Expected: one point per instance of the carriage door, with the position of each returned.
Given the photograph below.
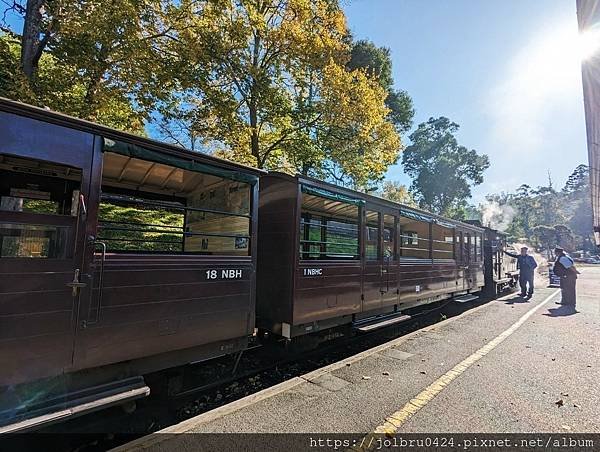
(380, 278)
(389, 274)
(466, 253)
(373, 268)
(44, 179)
(460, 262)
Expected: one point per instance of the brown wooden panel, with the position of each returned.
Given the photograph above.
(277, 236)
(37, 356)
(34, 282)
(113, 343)
(335, 292)
(159, 292)
(217, 305)
(35, 325)
(12, 304)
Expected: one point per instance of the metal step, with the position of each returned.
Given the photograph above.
(73, 405)
(466, 298)
(381, 323)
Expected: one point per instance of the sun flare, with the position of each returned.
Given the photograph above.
(588, 43)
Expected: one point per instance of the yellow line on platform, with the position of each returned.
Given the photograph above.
(392, 423)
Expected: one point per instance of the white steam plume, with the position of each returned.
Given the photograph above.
(496, 216)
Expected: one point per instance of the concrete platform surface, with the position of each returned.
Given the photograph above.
(507, 366)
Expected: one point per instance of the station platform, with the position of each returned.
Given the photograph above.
(509, 366)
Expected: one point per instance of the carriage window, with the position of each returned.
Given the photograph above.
(473, 247)
(38, 208)
(466, 247)
(372, 242)
(329, 229)
(151, 207)
(414, 238)
(479, 247)
(442, 238)
(389, 237)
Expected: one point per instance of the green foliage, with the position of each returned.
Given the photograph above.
(271, 83)
(377, 61)
(578, 181)
(546, 217)
(60, 87)
(265, 83)
(101, 61)
(146, 229)
(397, 192)
(13, 84)
(442, 170)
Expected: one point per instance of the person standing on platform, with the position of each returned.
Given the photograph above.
(564, 267)
(526, 265)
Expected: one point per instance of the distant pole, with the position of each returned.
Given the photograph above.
(588, 18)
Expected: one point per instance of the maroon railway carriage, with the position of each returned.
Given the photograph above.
(116, 253)
(330, 256)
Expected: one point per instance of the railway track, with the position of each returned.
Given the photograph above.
(206, 386)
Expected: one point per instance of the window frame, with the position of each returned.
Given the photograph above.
(402, 236)
(369, 224)
(69, 221)
(394, 236)
(144, 198)
(452, 233)
(304, 243)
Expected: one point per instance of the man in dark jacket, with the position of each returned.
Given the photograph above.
(564, 267)
(526, 265)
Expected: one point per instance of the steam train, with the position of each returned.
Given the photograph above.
(121, 256)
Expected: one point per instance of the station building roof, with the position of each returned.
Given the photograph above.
(588, 16)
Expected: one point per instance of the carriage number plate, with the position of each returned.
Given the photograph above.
(224, 274)
(313, 272)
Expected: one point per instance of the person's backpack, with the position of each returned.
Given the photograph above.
(559, 269)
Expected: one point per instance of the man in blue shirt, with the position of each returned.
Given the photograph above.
(526, 265)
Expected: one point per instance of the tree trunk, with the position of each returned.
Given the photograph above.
(31, 46)
(254, 140)
(253, 108)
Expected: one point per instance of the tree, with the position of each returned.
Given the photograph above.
(578, 180)
(268, 81)
(262, 82)
(397, 192)
(358, 143)
(38, 24)
(545, 205)
(532, 210)
(377, 61)
(243, 58)
(442, 170)
(97, 60)
(545, 237)
(550, 236)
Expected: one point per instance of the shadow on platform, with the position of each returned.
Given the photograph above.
(517, 299)
(561, 311)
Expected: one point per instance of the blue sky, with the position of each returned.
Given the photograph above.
(507, 71)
